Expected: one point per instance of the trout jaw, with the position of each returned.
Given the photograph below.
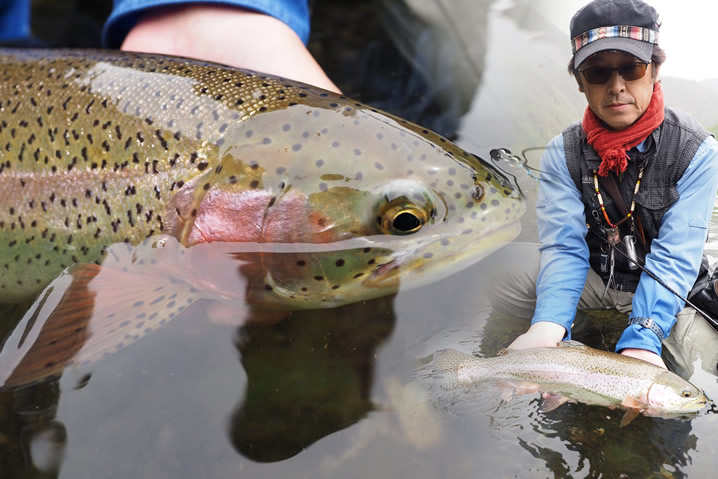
(413, 269)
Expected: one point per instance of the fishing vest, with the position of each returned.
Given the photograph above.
(670, 148)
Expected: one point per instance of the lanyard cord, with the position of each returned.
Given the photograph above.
(633, 202)
(658, 280)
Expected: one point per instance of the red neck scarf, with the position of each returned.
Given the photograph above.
(612, 145)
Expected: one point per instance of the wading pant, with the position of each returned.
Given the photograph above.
(690, 350)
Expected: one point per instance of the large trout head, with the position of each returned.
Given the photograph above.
(672, 395)
(345, 203)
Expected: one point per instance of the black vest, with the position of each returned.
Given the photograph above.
(670, 148)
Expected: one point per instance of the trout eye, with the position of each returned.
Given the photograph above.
(402, 219)
(406, 222)
(686, 393)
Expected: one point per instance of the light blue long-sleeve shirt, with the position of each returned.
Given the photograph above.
(295, 13)
(14, 19)
(675, 254)
(15, 16)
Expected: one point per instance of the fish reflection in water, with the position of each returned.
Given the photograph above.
(307, 376)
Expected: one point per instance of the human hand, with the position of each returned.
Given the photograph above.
(645, 355)
(540, 334)
(229, 35)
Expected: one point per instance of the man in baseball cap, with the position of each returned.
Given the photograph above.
(631, 186)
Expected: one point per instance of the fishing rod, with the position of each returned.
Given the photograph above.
(658, 280)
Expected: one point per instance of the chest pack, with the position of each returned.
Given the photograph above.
(670, 149)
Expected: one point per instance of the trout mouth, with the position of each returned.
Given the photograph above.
(386, 275)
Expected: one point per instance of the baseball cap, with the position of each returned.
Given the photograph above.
(629, 26)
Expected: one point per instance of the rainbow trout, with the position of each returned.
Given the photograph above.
(153, 181)
(574, 372)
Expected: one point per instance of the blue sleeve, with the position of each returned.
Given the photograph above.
(295, 13)
(14, 19)
(562, 233)
(676, 253)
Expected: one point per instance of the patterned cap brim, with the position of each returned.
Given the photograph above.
(639, 49)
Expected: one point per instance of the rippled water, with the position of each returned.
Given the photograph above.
(347, 392)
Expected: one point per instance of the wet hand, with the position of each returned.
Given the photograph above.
(541, 334)
(229, 35)
(645, 355)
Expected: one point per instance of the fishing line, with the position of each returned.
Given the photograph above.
(504, 155)
(658, 280)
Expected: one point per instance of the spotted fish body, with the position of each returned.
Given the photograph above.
(103, 147)
(575, 372)
(147, 182)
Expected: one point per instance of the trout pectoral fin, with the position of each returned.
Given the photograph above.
(630, 402)
(551, 402)
(633, 406)
(631, 414)
(88, 312)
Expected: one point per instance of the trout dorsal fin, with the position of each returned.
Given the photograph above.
(88, 312)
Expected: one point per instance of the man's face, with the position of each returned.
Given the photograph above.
(618, 102)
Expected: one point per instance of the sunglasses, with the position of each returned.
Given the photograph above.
(629, 72)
